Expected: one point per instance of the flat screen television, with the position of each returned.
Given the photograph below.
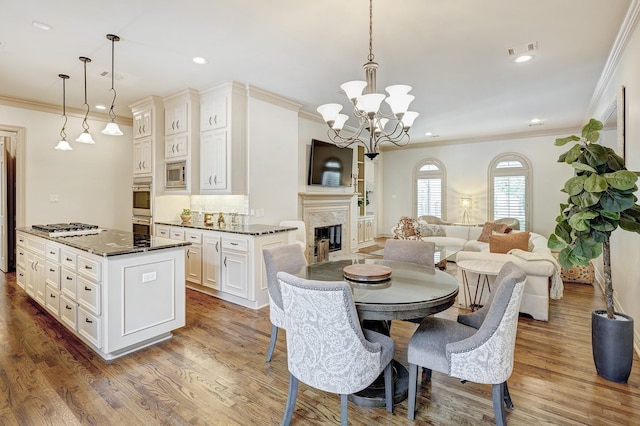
(330, 165)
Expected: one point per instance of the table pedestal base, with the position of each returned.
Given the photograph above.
(373, 396)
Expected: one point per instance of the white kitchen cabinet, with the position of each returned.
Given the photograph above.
(176, 116)
(365, 229)
(223, 134)
(143, 123)
(176, 146)
(142, 157)
(213, 160)
(235, 264)
(193, 263)
(35, 279)
(211, 247)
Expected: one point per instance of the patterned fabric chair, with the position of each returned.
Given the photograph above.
(326, 347)
(288, 258)
(413, 251)
(478, 347)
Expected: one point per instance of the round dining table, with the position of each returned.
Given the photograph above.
(410, 291)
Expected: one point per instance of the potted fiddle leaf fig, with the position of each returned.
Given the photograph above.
(600, 199)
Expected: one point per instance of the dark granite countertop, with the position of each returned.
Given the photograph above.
(111, 242)
(238, 229)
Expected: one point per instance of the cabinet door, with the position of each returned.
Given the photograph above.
(176, 146)
(213, 160)
(368, 230)
(142, 124)
(213, 113)
(360, 231)
(193, 265)
(137, 158)
(35, 277)
(211, 262)
(142, 157)
(234, 273)
(176, 118)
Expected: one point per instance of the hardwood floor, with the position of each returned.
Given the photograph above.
(213, 372)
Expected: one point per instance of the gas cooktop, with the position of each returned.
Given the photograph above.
(67, 229)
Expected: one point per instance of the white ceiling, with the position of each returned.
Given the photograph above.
(453, 53)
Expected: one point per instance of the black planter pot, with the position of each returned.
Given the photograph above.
(612, 343)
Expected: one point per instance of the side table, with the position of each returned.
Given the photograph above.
(484, 269)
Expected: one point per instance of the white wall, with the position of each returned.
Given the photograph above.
(92, 182)
(273, 162)
(466, 167)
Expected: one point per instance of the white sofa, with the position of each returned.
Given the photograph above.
(538, 263)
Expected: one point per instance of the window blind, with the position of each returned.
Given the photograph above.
(510, 197)
(429, 196)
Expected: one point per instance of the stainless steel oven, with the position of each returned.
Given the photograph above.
(142, 197)
(141, 225)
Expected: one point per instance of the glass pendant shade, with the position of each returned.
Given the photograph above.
(338, 124)
(397, 89)
(63, 145)
(85, 137)
(329, 111)
(112, 129)
(380, 125)
(370, 103)
(399, 103)
(408, 119)
(353, 89)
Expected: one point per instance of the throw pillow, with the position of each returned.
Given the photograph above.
(490, 227)
(502, 243)
(405, 228)
(426, 230)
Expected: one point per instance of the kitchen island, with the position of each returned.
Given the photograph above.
(117, 291)
(226, 262)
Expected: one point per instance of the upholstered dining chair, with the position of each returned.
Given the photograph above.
(326, 347)
(413, 251)
(478, 347)
(289, 258)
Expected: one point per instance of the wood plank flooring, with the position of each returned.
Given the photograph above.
(212, 372)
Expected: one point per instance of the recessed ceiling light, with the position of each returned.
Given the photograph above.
(199, 60)
(428, 134)
(41, 25)
(523, 58)
(535, 120)
(100, 106)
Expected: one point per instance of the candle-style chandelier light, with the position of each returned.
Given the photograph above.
(372, 122)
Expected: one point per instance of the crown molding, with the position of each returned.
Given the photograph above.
(55, 109)
(272, 98)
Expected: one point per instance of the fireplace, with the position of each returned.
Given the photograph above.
(329, 236)
(328, 218)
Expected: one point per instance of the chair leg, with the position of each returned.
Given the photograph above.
(413, 384)
(388, 386)
(497, 393)
(427, 374)
(291, 400)
(507, 397)
(344, 409)
(272, 343)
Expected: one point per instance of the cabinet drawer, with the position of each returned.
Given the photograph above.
(90, 268)
(52, 274)
(193, 237)
(89, 295)
(52, 252)
(177, 234)
(20, 255)
(68, 312)
(52, 300)
(22, 239)
(20, 276)
(89, 327)
(36, 245)
(235, 244)
(68, 284)
(68, 258)
(163, 231)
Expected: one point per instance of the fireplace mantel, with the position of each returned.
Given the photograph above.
(329, 208)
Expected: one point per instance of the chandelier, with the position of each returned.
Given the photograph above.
(374, 126)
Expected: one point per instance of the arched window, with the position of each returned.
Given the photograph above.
(430, 188)
(510, 188)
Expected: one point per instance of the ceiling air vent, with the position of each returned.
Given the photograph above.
(108, 75)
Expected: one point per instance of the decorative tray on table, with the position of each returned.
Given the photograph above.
(367, 273)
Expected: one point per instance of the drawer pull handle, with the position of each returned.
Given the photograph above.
(234, 244)
(216, 246)
(51, 270)
(88, 320)
(53, 296)
(88, 267)
(52, 252)
(87, 288)
(69, 278)
(69, 259)
(67, 307)
(225, 261)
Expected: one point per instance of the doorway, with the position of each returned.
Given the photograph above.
(8, 205)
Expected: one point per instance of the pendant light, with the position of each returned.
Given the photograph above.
(63, 145)
(112, 128)
(85, 136)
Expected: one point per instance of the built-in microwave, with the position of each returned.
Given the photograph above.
(175, 175)
(142, 197)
